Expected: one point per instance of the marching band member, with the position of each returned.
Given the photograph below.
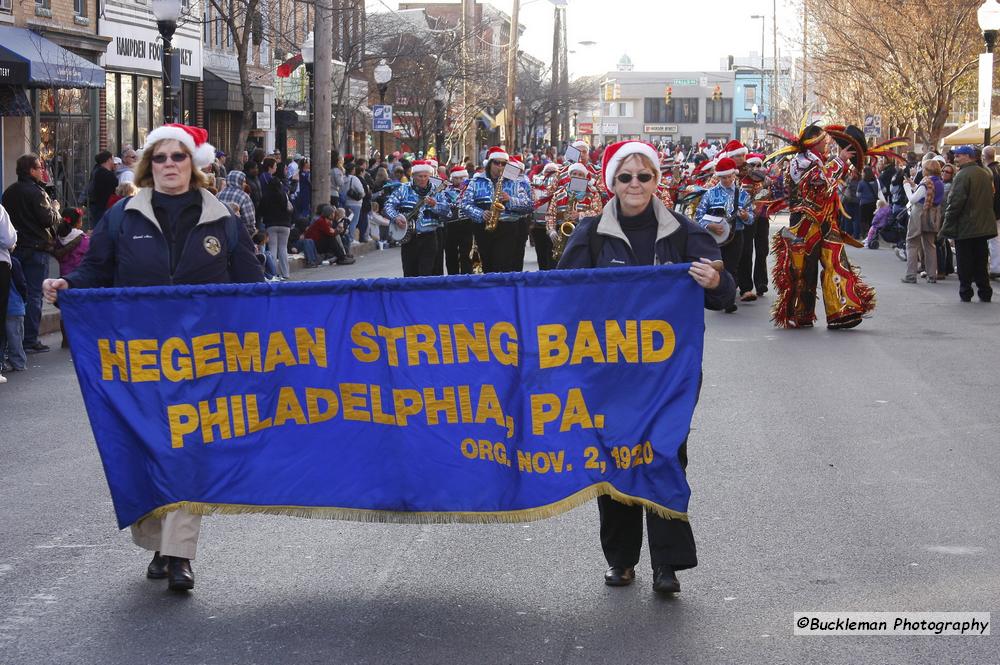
(731, 198)
(420, 251)
(567, 206)
(542, 185)
(497, 231)
(636, 229)
(756, 239)
(458, 228)
(524, 223)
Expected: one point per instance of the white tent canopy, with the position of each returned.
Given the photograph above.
(970, 133)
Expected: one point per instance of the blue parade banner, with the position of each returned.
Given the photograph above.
(462, 399)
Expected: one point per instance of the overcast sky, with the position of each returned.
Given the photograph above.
(659, 35)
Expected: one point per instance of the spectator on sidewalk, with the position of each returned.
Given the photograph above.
(126, 172)
(103, 183)
(969, 219)
(8, 240)
(234, 193)
(276, 213)
(326, 232)
(12, 352)
(924, 223)
(35, 217)
(124, 190)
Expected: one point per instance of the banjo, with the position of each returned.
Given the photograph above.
(405, 234)
(718, 216)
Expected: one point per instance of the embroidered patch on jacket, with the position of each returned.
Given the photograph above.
(212, 245)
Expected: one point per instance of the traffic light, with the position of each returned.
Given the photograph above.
(717, 94)
(618, 91)
(668, 94)
(612, 91)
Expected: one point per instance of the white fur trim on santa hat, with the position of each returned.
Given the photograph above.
(422, 166)
(725, 166)
(580, 145)
(458, 172)
(201, 155)
(550, 167)
(498, 154)
(733, 149)
(577, 167)
(615, 154)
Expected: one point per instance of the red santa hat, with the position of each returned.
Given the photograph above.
(616, 153)
(458, 171)
(195, 139)
(577, 167)
(734, 148)
(433, 162)
(755, 158)
(496, 153)
(550, 167)
(725, 166)
(422, 166)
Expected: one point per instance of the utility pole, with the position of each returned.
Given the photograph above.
(512, 79)
(805, 49)
(775, 69)
(322, 133)
(469, 135)
(556, 79)
(563, 79)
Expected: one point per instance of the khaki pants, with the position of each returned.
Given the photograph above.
(174, 535)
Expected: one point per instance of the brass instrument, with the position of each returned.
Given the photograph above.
(565, 229)
(496, 206)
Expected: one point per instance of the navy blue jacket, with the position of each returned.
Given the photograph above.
(674, 244)
(139, 255)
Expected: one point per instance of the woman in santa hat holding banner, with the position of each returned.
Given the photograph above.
(173, 231)
(634, 229)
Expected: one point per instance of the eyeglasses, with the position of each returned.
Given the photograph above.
(626, 178)
(175, 157)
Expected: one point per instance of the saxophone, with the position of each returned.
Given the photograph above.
(496, 206)
(565, 229)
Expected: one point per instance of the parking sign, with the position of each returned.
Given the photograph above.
(873, 125)
(382, 118)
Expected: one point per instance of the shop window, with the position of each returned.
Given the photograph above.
(720, 111)
(6, 6)
(111, 104)
(142, 104)
(127, 109)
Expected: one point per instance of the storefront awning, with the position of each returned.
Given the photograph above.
(223, 91)
(28, 59)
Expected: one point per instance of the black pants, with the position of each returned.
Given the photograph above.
(458, 246)
(523, 232)
(731, 254)
(439, 254)
(753, 258)
(671, 542)
(504, 248)
(866, 211)
(5, 287)
(419, 255)
(973, 255)
(543, 247)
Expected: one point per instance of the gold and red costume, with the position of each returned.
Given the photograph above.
(566, 206)
(813, 246)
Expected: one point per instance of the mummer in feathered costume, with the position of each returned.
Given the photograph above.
(813, 238)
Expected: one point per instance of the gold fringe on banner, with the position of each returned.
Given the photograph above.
(444, 517)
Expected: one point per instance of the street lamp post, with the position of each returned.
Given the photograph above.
(763, 21)
(167, 13)
(383, 74)
(440, 97)
(309, 59)
(989, 22)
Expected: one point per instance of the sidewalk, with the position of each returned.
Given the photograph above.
(296, 263)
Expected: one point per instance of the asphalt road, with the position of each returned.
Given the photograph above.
(850, 471)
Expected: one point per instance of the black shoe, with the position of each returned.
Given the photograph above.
(37, 347)
(986, 299)
(665, 581)
(157, 568)
(617, 576)
(732, 308)
(181, 575)
(966, 298)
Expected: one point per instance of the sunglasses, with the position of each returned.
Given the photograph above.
(626, 178)
(175, 157)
